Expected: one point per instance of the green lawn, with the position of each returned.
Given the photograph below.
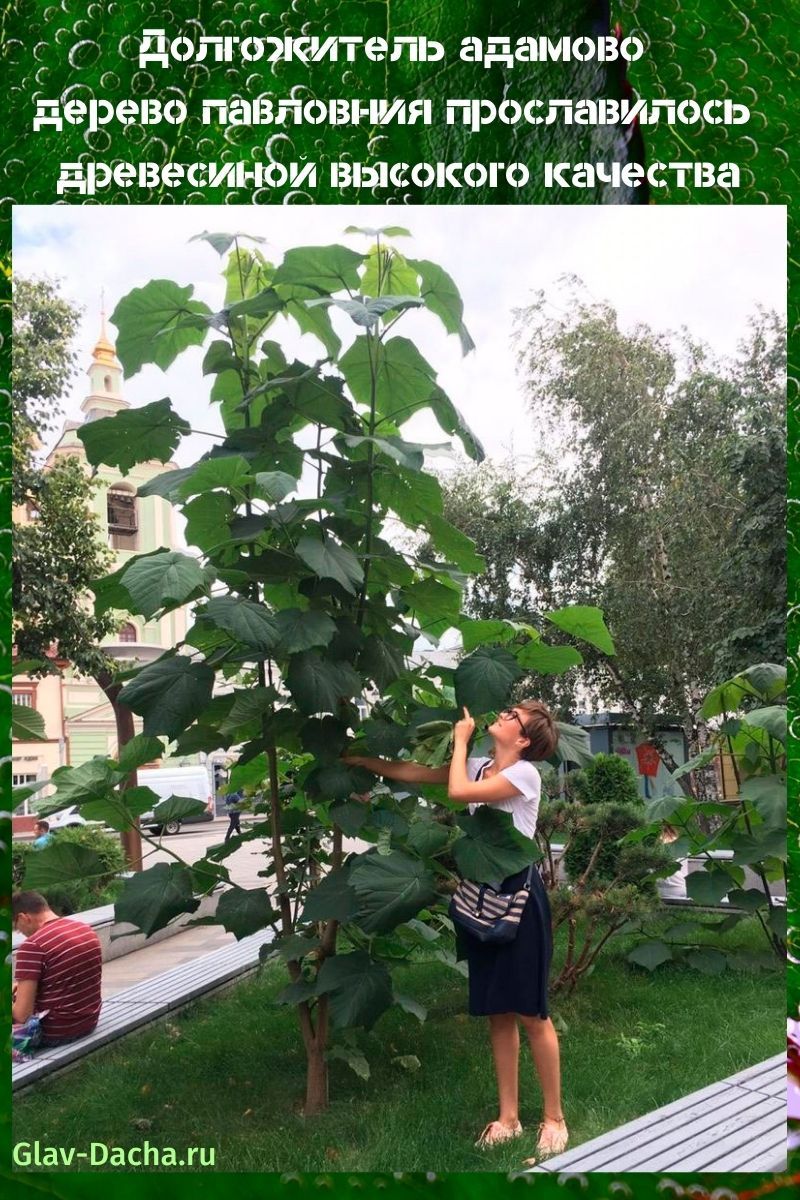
(228, 1071)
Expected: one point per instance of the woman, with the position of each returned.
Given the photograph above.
(507, 983)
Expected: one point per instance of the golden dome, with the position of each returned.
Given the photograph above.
(105, 351)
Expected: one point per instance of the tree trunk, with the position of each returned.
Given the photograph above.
(316, 1080)
(131, 839)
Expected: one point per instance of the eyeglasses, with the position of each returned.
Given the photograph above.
(511, 714)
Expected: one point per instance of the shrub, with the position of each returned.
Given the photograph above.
(80, 894)
(609, 779)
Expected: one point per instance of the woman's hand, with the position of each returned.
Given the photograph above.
(463, 729)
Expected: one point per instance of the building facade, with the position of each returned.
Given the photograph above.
(79, 723)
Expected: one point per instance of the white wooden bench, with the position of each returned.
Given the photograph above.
(738, 1124)
(147, 1001)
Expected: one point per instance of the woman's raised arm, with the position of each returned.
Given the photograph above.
(406, 772)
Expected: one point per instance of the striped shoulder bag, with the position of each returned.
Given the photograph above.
(486, 913)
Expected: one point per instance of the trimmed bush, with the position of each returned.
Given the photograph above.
(81, 894)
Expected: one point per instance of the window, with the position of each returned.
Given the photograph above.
(25, 696)
(122, 519)
(23, 780)
(107, 386)
(128, 634)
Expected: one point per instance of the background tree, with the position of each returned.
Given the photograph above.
(660, 499)
(58, 550)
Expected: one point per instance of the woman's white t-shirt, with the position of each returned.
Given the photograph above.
(524, 808)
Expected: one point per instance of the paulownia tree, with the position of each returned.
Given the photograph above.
(301, 606)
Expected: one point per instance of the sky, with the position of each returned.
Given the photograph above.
(705, 268)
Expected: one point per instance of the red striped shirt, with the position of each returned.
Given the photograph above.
(65, 959)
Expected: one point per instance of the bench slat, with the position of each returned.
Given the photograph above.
(139, 1005)
(669, 1137)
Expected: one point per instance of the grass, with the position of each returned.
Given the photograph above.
(229, 1071)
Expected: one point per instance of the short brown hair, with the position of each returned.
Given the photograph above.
(540, 729)
(29, 903)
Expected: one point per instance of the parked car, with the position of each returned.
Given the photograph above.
(176, 781)
(68, 818)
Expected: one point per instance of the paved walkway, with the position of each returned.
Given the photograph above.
(142, 964)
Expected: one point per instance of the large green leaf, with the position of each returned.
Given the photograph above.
(349, 815)
(388, 273)
(139, 750)
(169, 694)
(773, 719)
(766, 681)
(135, 435)
(331, 898)
(164, 580)
(324, 268)
(427, 838)
(249, 705)
(491, 847)
(89, 781)
(207, 521)
(152, 898)
(707, 960)
(229, 471)
(763, 843)
(243, 911)
(456, 546)
(404, 380)
(479, 633)
(585, 622)
(391, 889)
(406, 454)
(368, 312)
(451, 421)
(178, 808)
(156, 323)
(359, 989)
(384, 738)
(412, 495)
(767, 794)
(548, 660)
(650, 954)
(484, 679)
(118, 809)
(337, 781)
(330, 560)
(61, 862)
(574, 744)
(434, 603)
(708, 886)
(167, 484)
(382, 660)
(319, 686)
(27, 725)
(253, 625)
(324, 737)
(442, 297)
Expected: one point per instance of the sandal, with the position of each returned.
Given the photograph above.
(496, 1133)
(558, 1145)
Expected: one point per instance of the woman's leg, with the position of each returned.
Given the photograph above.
(543, 1041)
(504, 1033)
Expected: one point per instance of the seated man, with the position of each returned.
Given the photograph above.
(57, 970)
(43, 835)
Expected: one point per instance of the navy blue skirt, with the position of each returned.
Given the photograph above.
(513, 977)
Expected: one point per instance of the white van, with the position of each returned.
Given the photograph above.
(177, 781)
